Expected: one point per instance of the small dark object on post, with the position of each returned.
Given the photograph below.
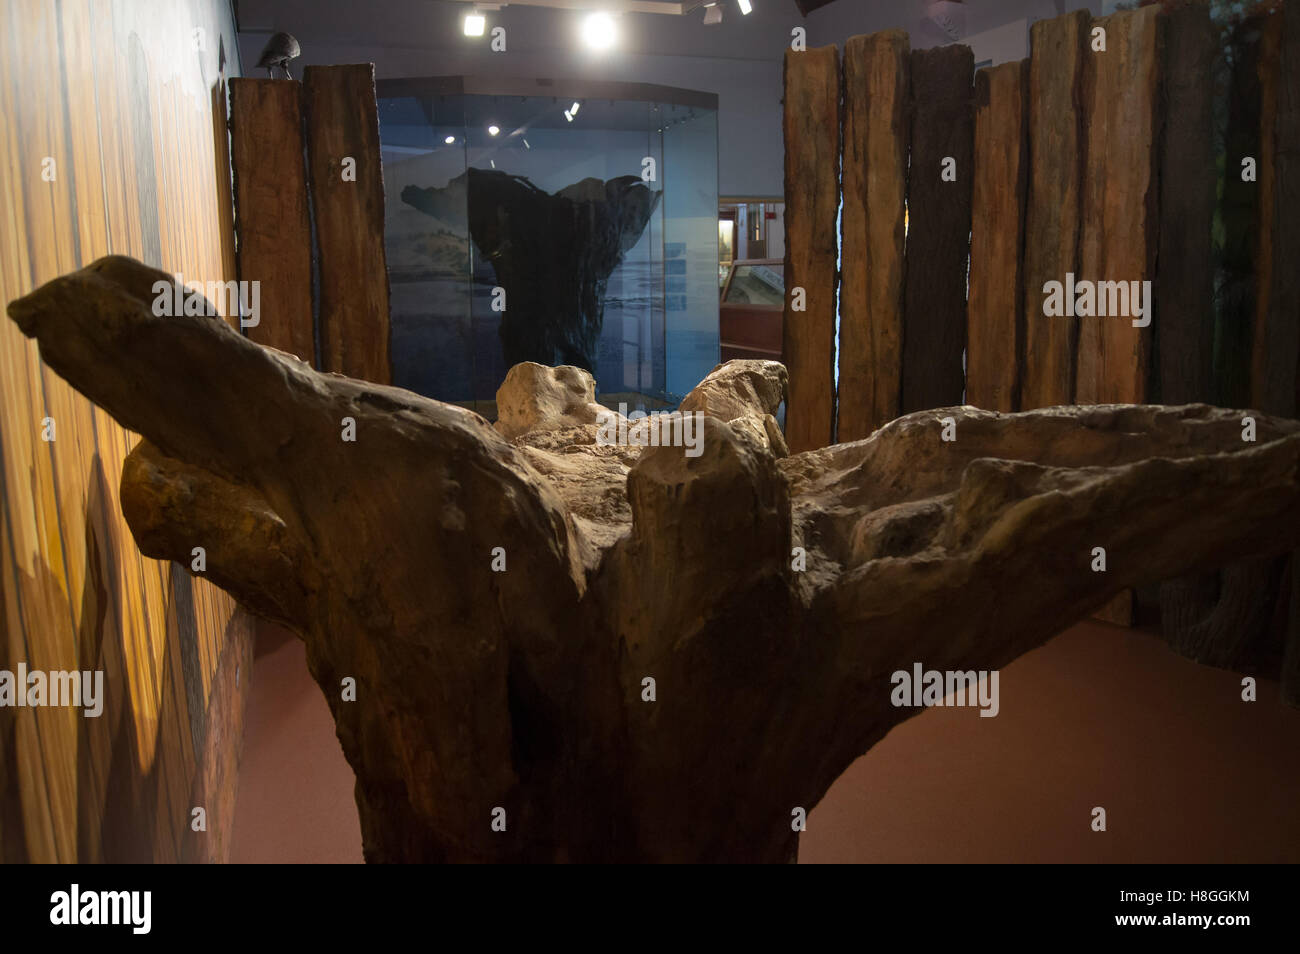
(279, 50)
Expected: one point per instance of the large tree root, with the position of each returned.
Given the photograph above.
(524, 688)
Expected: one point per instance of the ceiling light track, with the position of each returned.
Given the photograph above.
(616, 6)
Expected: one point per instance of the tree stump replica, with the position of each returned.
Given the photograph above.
(524, 689)
(553, 253)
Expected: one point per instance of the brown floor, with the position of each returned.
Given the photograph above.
(295, 799)
(1099, 716)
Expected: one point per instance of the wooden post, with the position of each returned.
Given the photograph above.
(347, 190)
(1242, 607)
(939, 220)
(1052, 211)
(876, 135)
(1276, 377)
(1184, 327)
(812, 147)
(1119, 202)
(995, 321)
(1184, 283)
(1276, 351)
(1240, 214)
(271, 210)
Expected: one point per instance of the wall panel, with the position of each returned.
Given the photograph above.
(127, 100)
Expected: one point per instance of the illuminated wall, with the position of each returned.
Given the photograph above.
(112, 140)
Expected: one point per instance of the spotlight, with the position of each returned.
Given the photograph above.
(493, 130)
(475, 23)
(599, 31)
(712, 14)
(449, 140)
(746, 8)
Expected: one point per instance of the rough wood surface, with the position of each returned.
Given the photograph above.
(1119, 203)
(1275, 375)
(1058, 51)
(1118, 208)
(995, 318)
(1276, 363)
(1241, 257)
(1237, 615)
(343, 123)
(876, 134)
(524, 689)
(1184, 288)
(1185, 279)
(266, 154)
(812, 155)
(939, 220)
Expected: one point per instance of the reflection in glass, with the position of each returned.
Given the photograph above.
(587, 240)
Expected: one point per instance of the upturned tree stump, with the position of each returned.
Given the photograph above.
(501, 595)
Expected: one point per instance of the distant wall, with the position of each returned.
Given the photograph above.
(122, 107)
(739, 60)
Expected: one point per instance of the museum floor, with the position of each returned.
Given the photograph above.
(1099, 716)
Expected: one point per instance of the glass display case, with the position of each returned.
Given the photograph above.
(557, 222)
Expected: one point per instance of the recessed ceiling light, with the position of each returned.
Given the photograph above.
(475, 23)
(449, 140)
(599, 31)
(746, 8)
(574, 108)
(493, 130)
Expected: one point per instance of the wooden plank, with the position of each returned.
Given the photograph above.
(1290, 674)
(271, 210)
(877, 130)
(939, 220)
(1267, 67)
(1119, 207)
(1276, 365)
(1052, 208)
(1119, 204)
(811, 128)
(1184, 281)
(1275, 375)
(343, 122)
(1239, 213)
(995, 317)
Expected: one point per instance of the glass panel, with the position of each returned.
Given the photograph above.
(521, 228)
(690, 245)
(422, 145)
(757, 285)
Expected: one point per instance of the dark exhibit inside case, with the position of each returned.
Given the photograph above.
(561, 223)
